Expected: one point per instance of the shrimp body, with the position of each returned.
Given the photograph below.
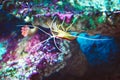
(61, 32)
(64, 35)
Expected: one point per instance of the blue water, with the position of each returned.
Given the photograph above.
(97, 48)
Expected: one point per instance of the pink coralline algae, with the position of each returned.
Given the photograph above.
(67, 15)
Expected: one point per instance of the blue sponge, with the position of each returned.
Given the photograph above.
(97, 48)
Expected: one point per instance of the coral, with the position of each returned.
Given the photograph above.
(2, 49)
(68, 16)
(36, 54)
(91, 12)
(38, 35)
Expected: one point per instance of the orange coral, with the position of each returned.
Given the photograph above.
(25, 30)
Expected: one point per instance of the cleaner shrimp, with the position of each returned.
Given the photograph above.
(56, 33)
(59, 32)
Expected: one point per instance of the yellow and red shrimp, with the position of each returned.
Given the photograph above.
(59, 31)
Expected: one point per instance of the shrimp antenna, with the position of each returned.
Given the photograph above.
(92, 39)
(34, 47)
(73, 21)
(42, 30)
(53, 33)
(52, 23)
(56, 44)
(69, 27)
(38, 28)
(61, 25)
